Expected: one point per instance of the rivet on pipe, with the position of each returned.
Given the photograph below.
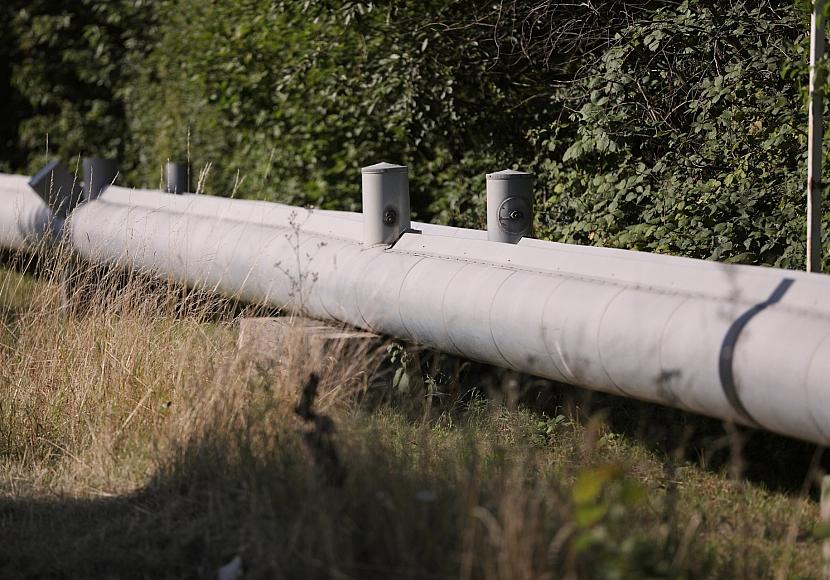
(176, 177)
(509, 206)
(386, 213)
(99, 173)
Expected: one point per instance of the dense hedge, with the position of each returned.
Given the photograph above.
(656, 125)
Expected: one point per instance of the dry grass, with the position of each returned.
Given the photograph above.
(136, 442)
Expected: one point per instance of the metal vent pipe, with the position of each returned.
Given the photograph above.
(99, 173)
(509, 206)
(176, 177)
(57, 188)
(386, 210)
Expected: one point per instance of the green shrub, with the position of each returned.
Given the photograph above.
(672, 152)
(651, 125)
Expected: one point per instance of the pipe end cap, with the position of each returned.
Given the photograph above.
(384, 167)
(509, 174)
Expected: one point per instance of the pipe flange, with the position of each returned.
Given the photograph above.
(515, 216)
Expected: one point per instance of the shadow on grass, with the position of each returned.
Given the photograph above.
(418, 501)
(389, 520)
(776, 462)
(445, 498)
(21, 262)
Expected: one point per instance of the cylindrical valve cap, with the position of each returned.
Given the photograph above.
(385, 202)
(509, 206)
(176, 177)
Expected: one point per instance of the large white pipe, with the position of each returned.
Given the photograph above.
(745, 344)
(341, 223)
(25, 220)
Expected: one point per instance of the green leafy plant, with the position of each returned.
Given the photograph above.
(657, 126)
(606, 503)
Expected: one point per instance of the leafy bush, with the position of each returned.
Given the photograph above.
(72, 63)
(654, 125)
(671, 152)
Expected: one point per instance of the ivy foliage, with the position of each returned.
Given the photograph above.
(296, 113)
(70, 67)
(671, 152)
(657, 125)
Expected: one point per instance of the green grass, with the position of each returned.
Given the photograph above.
(136, 443)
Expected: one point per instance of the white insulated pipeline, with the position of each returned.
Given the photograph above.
(25, 220)
(741, 343)
(33, 209)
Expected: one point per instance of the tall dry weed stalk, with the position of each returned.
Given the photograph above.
(103, 371)
(131, 388)
(88, 377)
